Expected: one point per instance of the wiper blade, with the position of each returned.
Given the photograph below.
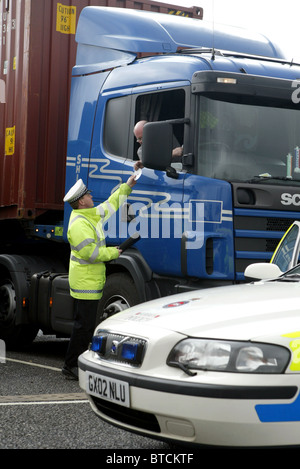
(262, 178)
(184, 368)
(295, 275)
(289, 278)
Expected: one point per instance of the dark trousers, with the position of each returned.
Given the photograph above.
(84, 326)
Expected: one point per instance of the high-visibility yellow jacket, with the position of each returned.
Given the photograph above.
(88, 248)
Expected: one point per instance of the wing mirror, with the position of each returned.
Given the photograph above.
(262, 271)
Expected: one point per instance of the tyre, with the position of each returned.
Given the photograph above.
(14, 336)
(119, 294)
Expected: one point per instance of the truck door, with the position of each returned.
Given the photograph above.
(154, 208)
(157, 200)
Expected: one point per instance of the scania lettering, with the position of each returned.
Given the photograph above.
(289, 199)
(227, 100)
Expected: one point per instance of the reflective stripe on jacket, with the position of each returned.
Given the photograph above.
(88, 248)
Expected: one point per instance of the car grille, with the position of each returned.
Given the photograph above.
(135, 418)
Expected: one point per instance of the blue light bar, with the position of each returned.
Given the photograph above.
(98, 343)
(119, 348)
(129, 351)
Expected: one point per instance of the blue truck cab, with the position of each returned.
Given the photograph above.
(229, 100)
(226, 97)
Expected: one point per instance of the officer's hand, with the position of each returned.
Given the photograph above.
(131, 181)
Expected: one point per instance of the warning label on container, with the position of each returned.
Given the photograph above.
(65, 19)
(10, 133)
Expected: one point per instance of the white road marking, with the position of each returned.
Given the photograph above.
(42, 399)
(33, 364)
(6, 404)
(37, 399)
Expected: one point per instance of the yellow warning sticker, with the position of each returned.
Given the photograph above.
(10, 133)
(295, 349)
(65, 19)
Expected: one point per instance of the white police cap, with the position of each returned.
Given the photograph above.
(78, 190)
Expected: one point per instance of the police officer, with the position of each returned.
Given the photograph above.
(87, 263)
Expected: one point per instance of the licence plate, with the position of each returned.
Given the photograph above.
(109, 389)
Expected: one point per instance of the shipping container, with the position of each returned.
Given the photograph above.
(37, 53)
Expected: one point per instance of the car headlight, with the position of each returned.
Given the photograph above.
(219, 355)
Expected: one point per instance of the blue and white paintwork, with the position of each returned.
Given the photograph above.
(107, 66)
(210, 407)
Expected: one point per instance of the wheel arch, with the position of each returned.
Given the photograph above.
(133, 263)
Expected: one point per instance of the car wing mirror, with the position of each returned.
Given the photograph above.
(262, 271)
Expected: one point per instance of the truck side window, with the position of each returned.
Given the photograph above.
(117, 126)
(161, 106)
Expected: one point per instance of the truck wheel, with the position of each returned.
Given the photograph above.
(119, 294)
(14, 336)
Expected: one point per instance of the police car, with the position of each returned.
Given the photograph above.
(217, 366)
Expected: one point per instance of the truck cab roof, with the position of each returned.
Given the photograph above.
(110, 37)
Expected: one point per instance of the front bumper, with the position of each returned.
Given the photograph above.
(186, 410)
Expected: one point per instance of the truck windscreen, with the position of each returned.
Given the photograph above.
(245, 142)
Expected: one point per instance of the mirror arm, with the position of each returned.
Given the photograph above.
(172, 173)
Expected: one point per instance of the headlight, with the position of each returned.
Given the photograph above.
(217, 355)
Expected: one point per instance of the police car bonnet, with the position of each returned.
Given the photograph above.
(78, 190)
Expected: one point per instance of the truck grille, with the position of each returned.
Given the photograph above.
(256, 238)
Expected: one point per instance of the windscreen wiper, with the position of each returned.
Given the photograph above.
(289, 278)
(262, 178)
